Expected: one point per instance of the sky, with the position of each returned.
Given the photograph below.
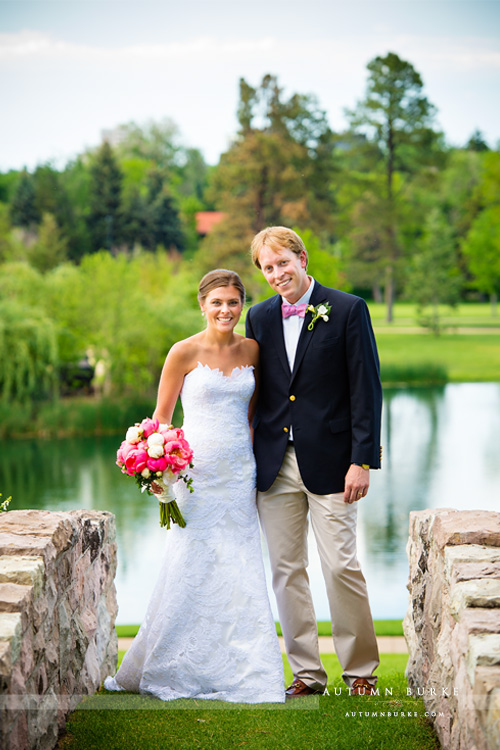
(70, 69)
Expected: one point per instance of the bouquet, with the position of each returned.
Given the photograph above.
(157, 454)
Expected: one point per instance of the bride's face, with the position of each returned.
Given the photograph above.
(222, 307)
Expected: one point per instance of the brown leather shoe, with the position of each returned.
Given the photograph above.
(361, 687)
(298, 688)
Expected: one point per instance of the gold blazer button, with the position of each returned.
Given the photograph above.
(292, 398)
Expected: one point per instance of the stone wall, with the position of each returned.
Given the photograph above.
(453, 624)
(57, 615)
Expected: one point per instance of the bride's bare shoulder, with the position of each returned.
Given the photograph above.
(251, 349)
(184, 352)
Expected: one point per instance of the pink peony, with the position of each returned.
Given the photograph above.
(141, 461)
(171, 446)
(157, 464)
(124, 450)
(168, 435)
(148, 426)
(130, 461)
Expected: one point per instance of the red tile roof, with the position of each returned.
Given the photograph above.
(206, 220)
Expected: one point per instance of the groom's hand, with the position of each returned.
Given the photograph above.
(357, 481)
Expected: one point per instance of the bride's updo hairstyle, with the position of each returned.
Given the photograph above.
(215, 279)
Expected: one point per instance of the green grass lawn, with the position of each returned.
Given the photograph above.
(470, 315)
(382, 627)
(388, 721)
(465, 358)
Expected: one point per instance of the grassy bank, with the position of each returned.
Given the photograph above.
(465, 316)
(390, 720)
(382, 627)
(460, 358)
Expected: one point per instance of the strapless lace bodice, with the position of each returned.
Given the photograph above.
(209, 631)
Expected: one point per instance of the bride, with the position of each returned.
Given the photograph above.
(208, 631)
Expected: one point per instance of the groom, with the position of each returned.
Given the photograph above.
(316, 436)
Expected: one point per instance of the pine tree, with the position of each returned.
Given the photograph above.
(166, 229)
(23, 209)
(105, 218)
(396, 118)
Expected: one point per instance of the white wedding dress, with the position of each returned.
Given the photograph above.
(208, 631)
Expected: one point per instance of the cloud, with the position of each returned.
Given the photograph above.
(37, 45)
(465, 53)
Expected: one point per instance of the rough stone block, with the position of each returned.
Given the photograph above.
(56, 527)
(15, 598)
(469, 561)
(27, 571)
(452, 527)
(11, 631)
(484, 651)
(484, 592)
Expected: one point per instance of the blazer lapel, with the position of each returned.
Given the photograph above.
(318, 295)
(276, 327)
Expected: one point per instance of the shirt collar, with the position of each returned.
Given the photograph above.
(307, 296)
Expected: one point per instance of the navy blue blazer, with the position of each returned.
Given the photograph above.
(332, 399)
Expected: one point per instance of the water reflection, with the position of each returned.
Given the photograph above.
(440, 450)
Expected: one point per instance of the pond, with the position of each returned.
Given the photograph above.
(441, 450)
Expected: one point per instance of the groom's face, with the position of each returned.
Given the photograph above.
(285, 272)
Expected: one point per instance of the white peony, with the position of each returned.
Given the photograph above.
(156, 451)
(133, 435)
(155, 439)
(145, 473)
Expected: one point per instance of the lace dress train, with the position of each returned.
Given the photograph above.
(209, 631)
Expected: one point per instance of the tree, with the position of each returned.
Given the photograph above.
(396, 118)
(277, 171)
(51, 247)
(23, 209)
(434, 278)
(481, 248)
(477, 143)
(166, 227)
(481, 245)
(155, 142)
(105, 217)
(28, 352)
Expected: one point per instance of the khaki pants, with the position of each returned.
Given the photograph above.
(283, 513)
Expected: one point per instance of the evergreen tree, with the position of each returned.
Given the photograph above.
(476, 142)
(105, 217)
(23, 209)
(135, 227)
(165, 227)
(396, 118)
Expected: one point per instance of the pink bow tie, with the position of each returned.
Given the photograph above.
(287, 310)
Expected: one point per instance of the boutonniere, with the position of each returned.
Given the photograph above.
(321, 311)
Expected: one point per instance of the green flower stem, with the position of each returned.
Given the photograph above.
(169, 512)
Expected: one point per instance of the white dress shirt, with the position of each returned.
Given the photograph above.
(292, 327)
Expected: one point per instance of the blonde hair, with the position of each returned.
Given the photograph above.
(276, 238)
(220, 277)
